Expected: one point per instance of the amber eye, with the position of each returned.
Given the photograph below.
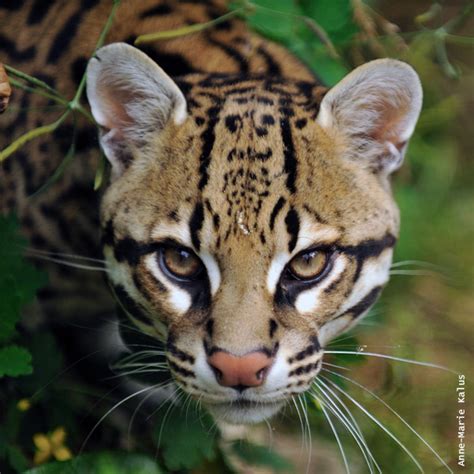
(181, 263)
(308, 265)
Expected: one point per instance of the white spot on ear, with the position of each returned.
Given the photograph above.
(276, 267)
(212, 271)
(178, 298)
(308, 301)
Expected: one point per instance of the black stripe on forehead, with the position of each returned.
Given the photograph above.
(278, 207)
(292, 222)
(195, 225)
(290, 166)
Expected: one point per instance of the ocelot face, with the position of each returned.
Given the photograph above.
(250, 222)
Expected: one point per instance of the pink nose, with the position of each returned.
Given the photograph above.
(249, 370)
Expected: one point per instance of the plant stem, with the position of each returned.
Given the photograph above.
(186, 30)
(33, 80)
(31, 135)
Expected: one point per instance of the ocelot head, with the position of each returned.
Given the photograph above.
(248, 220)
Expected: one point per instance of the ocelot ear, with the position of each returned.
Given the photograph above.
(375, 109)
(131, 99)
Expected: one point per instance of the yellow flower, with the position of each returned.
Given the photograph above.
(24, 404)
(51, 445)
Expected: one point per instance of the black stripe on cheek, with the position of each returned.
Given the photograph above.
(292, 222)
(180, 370)
(290, 166)
(364, 304)
(195, 225)
(130, 305)
(278, 207)
(367, 249)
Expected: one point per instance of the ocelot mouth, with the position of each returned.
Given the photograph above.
(244, 411)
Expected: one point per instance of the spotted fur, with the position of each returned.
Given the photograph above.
(244, 158)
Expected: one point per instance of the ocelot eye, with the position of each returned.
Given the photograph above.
(308, 265)
(180, 263)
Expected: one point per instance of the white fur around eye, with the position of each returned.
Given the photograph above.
(276, 267)
(375, 272)
(212, 271)
(178, 298)
(308, 301)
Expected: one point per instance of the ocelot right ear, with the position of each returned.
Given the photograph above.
(374, 110)
(132, 99)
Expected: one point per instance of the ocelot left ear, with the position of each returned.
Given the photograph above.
(132, 99)
(375, 109)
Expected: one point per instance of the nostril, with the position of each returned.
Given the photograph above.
(261, 373)
(218, 373)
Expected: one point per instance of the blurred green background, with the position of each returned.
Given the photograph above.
(425, 313)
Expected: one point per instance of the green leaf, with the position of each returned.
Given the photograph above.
(335, 16)
(15, 361)
(102, 463)
(186, 438)
(261, 456)
(19, 280)
(17, 459)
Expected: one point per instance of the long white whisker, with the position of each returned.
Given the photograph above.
(385, 404)
(111, 410)
(420, 263)
(336, 366)
(303, 431)
(70, 264)
(377, 422)
(161, 386)
(304, 408)
(336, 435)
(64, 255)
(414, 273)
(351, 427)
(398, 359)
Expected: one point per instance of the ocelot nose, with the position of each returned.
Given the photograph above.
(242, 372)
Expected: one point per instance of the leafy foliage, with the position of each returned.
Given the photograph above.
(19, 281)
(187, 439)
(102, 463)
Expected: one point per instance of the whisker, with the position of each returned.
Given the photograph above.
(142, 402)
(304, 408)
(414, 273)
(336, 366)
(351, 426)
(398, 359)
(70, 264)
(111, 410)
(64, 255)
(336, 435)
(385, 404)
(420, 263)
(377, 422)
(303, 432)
